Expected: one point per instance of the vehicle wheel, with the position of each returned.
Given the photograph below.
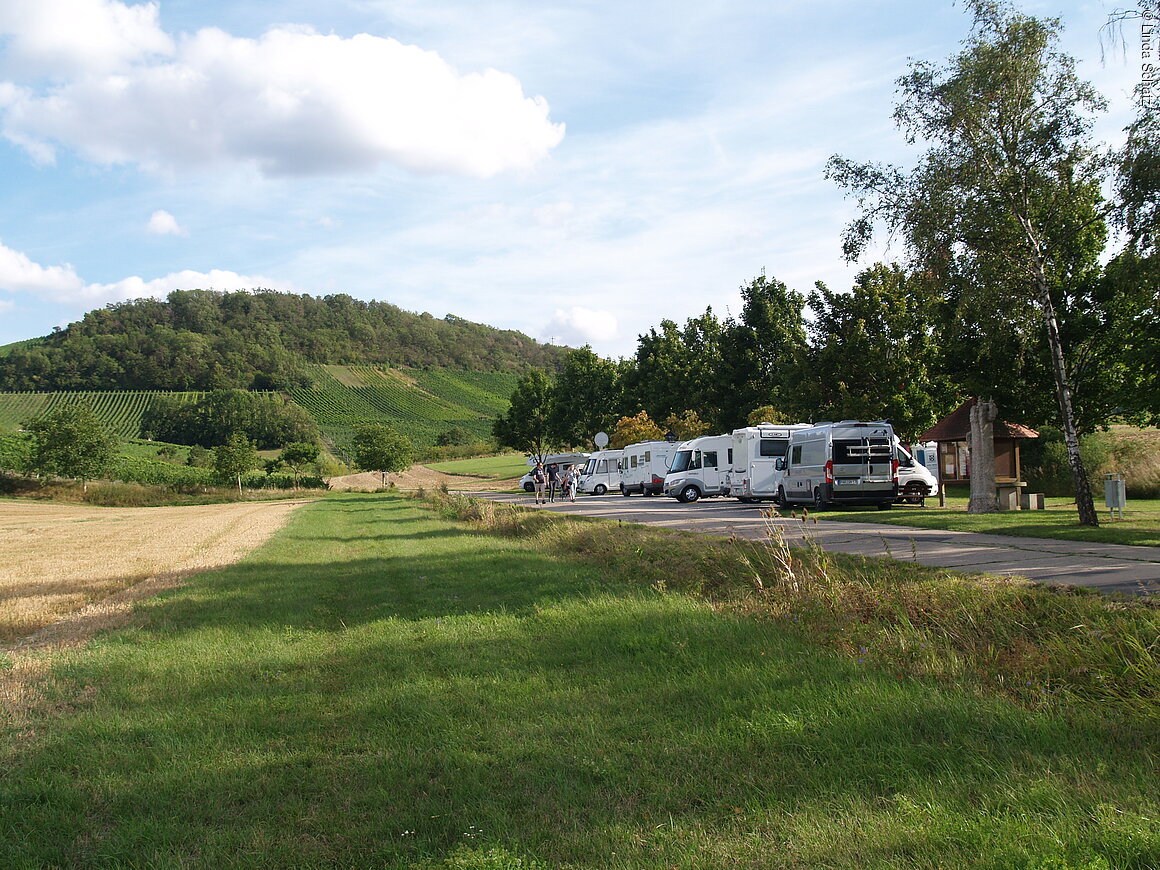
(623, 491)
(780, 499)
(529, 487)
(914, 492)
(690, 494)
(818, 502)
(599, 489)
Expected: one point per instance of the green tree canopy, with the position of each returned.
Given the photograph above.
(234, 458)
(527, 424)
(379, 447)
(585, 398)
(71, 441)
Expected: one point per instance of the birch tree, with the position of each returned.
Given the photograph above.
(1008, 188)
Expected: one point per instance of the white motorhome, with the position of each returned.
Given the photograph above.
(560, 460)
(915, 479)
(644, 466)
(850, 462)
(601, 473)
(699, 467)
(756, 449)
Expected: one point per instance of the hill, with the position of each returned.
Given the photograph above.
(261, 340)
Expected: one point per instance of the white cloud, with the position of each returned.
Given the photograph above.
(291, 102)
(19, 274)
(162, 223)
(578, 326)
(67, 37)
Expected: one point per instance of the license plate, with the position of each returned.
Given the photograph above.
(847, 481)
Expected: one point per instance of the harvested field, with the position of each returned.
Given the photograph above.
(67, 571)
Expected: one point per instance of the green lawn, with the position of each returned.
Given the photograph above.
(1140, 524)
(503, 467)
(377, 687)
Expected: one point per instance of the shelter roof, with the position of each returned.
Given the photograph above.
(956, 426)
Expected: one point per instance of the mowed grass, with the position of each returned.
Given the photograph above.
(1140, 524)
(378, 687)
(503, 467)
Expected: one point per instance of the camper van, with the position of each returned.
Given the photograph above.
(699, 467)
(850, 462)
(915, 479)
(601, 473)
(560, 460)
(644, 466)
(752, 476)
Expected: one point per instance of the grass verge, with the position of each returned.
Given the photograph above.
(379, 686)
(1140, 524)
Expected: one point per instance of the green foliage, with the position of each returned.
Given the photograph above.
(120, 411)
(685, 426)
(873, 355)
(15, 452)
(234, 458)
(526, 426)
(453, 437)
(269, 420)
(584, 397)
(260, 340)
(71, 441)
(199, 457)
(379, 447)
(300, 454)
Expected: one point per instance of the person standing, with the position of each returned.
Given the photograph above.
(553, 480)
(539, 478)
(571, 481)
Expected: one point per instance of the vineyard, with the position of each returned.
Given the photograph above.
(420, 404)
(120, 411)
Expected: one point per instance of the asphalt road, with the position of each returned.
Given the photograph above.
(1107, 567)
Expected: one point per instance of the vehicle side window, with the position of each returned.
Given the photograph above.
(648, 456)
(772, 447)
(632, 461)
(729, 456)
(710, 458)
(796, 457)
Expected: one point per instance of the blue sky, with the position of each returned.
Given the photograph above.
(574, 170)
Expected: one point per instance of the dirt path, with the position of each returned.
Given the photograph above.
(67, 571)
(417, 476)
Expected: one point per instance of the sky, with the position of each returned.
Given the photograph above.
(577, 170)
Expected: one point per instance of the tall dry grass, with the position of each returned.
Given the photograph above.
(1045, 646)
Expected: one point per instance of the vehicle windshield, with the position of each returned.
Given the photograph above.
(589, 466)
(681, 460)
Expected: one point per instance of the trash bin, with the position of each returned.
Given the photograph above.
(1115, 493)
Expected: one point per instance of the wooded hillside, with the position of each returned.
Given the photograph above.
(260, 340)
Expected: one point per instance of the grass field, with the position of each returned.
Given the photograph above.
(502, 467)
(381, 687)
(1140, 524)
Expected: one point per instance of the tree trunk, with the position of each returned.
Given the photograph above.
(982, 453)
(1083, 492)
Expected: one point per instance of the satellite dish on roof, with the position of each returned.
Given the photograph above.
(601, 440)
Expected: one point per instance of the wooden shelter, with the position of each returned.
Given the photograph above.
(952, 434)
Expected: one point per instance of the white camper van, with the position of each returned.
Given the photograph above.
(560, 460)
(851, 462)
(601, 473)
(644, 466)
(915, 480)
(699, 467)
(756, 449)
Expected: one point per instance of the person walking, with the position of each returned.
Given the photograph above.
(570, 482)
(539, 478)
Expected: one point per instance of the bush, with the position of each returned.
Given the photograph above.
(1135, 453)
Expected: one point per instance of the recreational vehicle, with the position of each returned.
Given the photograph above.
(560, 460)
(644, 466)
(699, 468)
(752, 476)
(915, 479)
(851, 463)
(601, 473)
